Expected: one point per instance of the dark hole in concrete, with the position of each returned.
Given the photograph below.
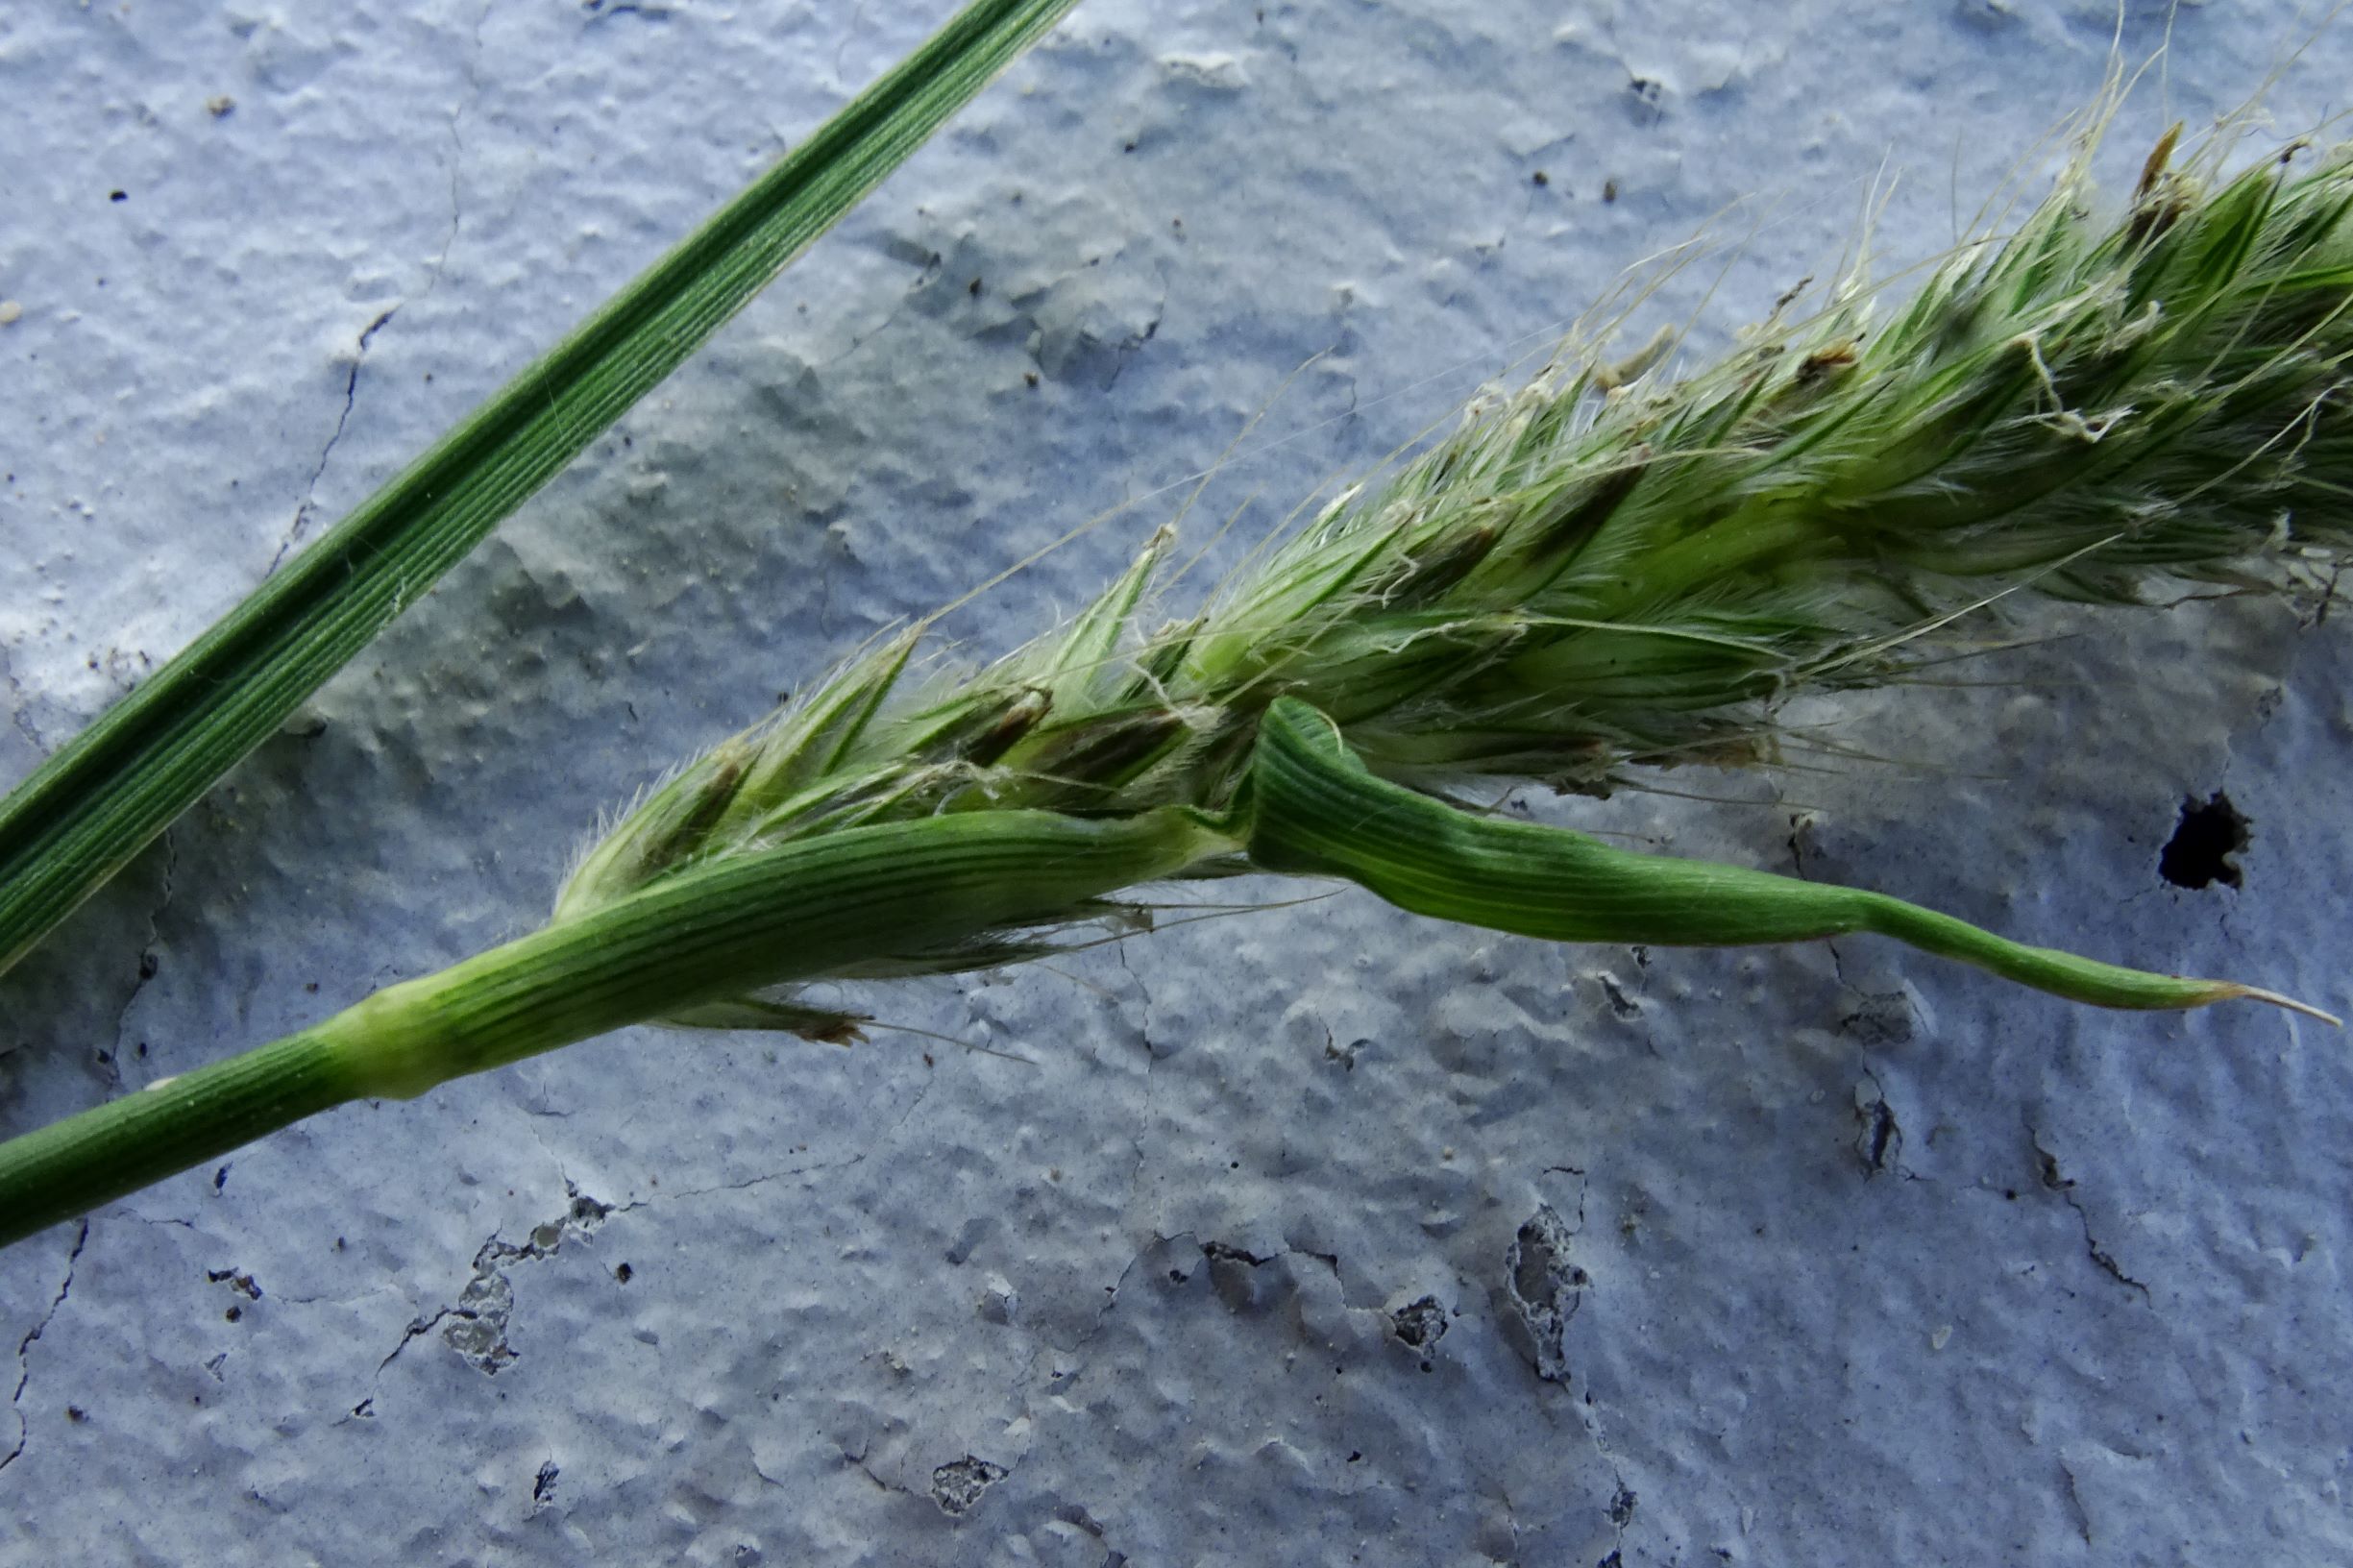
(2198, 853)
(1420, 1323)
(956, 1486)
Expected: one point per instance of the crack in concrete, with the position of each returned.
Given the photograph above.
(1110, 1292)
(880, 1482)
(21, 714)
(599, 11)
(487, 1299)
(1622, 1498)
(485, 1305)
(23, 720)
(561, 1174)
(1545, 1288)
(1879, 1139)
(24, 1347)
(2047, 1170)
(840, 49)
(1584, 1184)
(1798, 822)
(417, 1327)
(1512, 1523)
(859, 340)
(432, 278)
(368, 1294)
(2074, 1497)
(1873, 1016)
(149, 963)
(457, 149)
(1623, 1501)
(351, 395)
(1151, 1060)
(1631, 1009)
(1133, 344)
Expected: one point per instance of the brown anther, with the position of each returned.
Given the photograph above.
(2159, 199)
(1823, 361)
(2153, 167)
(1011, 726)
(705, 807)
(1438, 567)
(839, 1029)
(1096, 756)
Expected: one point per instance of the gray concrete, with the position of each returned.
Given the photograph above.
(1314, 1235)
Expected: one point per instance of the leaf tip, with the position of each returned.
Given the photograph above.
(2229, 992)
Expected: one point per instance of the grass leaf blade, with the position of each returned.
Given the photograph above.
(1317, 810)
(102, 797)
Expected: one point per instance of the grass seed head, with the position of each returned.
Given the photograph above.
(1609, 569)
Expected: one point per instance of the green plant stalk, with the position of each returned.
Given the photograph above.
(104, 796)
(805, 910)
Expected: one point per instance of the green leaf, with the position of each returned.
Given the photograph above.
(97, 802)
(1318, 811)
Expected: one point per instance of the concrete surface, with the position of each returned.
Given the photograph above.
(1314, 1235)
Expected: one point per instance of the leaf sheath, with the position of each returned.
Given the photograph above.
(806, 909)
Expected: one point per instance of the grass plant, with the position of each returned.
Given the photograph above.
(1609, 571)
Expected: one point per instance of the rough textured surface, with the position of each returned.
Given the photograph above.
(1320, 1235)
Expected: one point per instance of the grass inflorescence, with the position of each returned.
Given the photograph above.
(1613, 569)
